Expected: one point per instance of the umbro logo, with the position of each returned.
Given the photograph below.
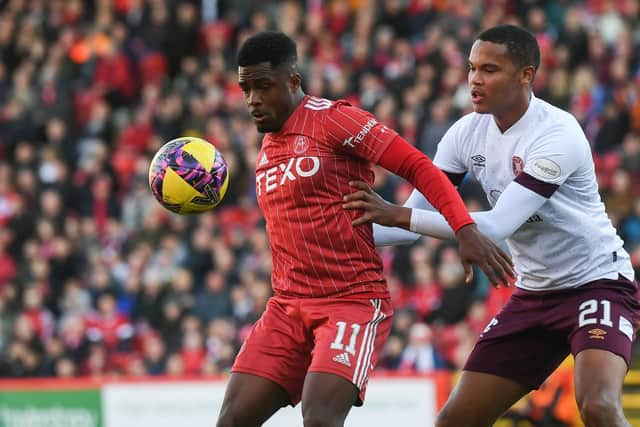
(479, 160)
(342, 358)
(263, 160)
(597, 333)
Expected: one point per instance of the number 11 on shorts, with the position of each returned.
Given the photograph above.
(338, 342)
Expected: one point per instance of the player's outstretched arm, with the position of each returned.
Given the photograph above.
(513, 208)
(492, 260)
(356, 133)
(406, 161)
(393, 236)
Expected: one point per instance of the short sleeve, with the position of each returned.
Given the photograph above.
(447, 156)
(556, 154)
(355, 131)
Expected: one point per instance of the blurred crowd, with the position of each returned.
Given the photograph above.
(96, 279)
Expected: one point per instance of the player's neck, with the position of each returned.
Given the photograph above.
(295, 102)
(297, 99)
(511, 115)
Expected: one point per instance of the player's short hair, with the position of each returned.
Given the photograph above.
(522, 46)
(273, 47)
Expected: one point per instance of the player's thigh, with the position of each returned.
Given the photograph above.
(605, 316)
(517, 344)
(599, 375)
(327, 397)
(278, 348)
(250, 400)
(478, 399)
(349, 337)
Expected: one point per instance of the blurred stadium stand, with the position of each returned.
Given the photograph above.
(96, 279)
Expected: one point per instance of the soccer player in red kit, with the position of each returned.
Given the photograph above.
(321, 333)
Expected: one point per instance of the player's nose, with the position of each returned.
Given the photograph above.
(254, 98)
(475, 79)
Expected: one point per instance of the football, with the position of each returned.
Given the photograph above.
(188, 175)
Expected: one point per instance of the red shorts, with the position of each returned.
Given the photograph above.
(332, 335)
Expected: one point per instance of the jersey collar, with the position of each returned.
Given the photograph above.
(521, 125)
(292, 125)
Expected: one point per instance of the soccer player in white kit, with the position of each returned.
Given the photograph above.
(575, 291)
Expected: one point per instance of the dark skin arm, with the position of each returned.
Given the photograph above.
(473, 246)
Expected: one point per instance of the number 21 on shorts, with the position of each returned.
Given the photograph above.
(589, 314)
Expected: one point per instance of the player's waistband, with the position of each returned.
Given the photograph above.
(342, 295)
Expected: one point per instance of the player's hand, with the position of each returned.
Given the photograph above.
(475, 248)
(374, 208)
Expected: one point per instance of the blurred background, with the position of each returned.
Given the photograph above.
(97, 280)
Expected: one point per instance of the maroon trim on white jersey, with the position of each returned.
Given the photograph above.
(455, 178)
(544, 189)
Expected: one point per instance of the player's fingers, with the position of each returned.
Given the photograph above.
(504, 257)
(361, 185)
(364, 219)
(357, 195)
(468, 272)
(491, 274)
(356, 204)
(505, 262)
(507, 266)
(500, 272)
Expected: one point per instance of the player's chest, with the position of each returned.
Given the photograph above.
(495, 162)
(293, 167)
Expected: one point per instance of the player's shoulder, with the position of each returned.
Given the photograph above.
(339, 110)
(311, 110)
(341, 114)
(552, 128)
(466, 127)
(304, 120)
(316, 104)
(551, 119)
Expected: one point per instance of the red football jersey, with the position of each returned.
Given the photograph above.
(302, 173)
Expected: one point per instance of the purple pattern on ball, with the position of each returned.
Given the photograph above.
(159, 166)
(188, 168)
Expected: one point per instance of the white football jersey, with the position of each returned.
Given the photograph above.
(570, 240)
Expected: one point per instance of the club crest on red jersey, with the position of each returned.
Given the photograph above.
(301, 145)
(517, 165)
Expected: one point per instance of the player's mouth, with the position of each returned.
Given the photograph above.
(477, 97)
(259, 117)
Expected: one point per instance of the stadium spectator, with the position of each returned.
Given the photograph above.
(420, 354)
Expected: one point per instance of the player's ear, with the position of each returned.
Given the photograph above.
(527, 75)
(295, 80)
